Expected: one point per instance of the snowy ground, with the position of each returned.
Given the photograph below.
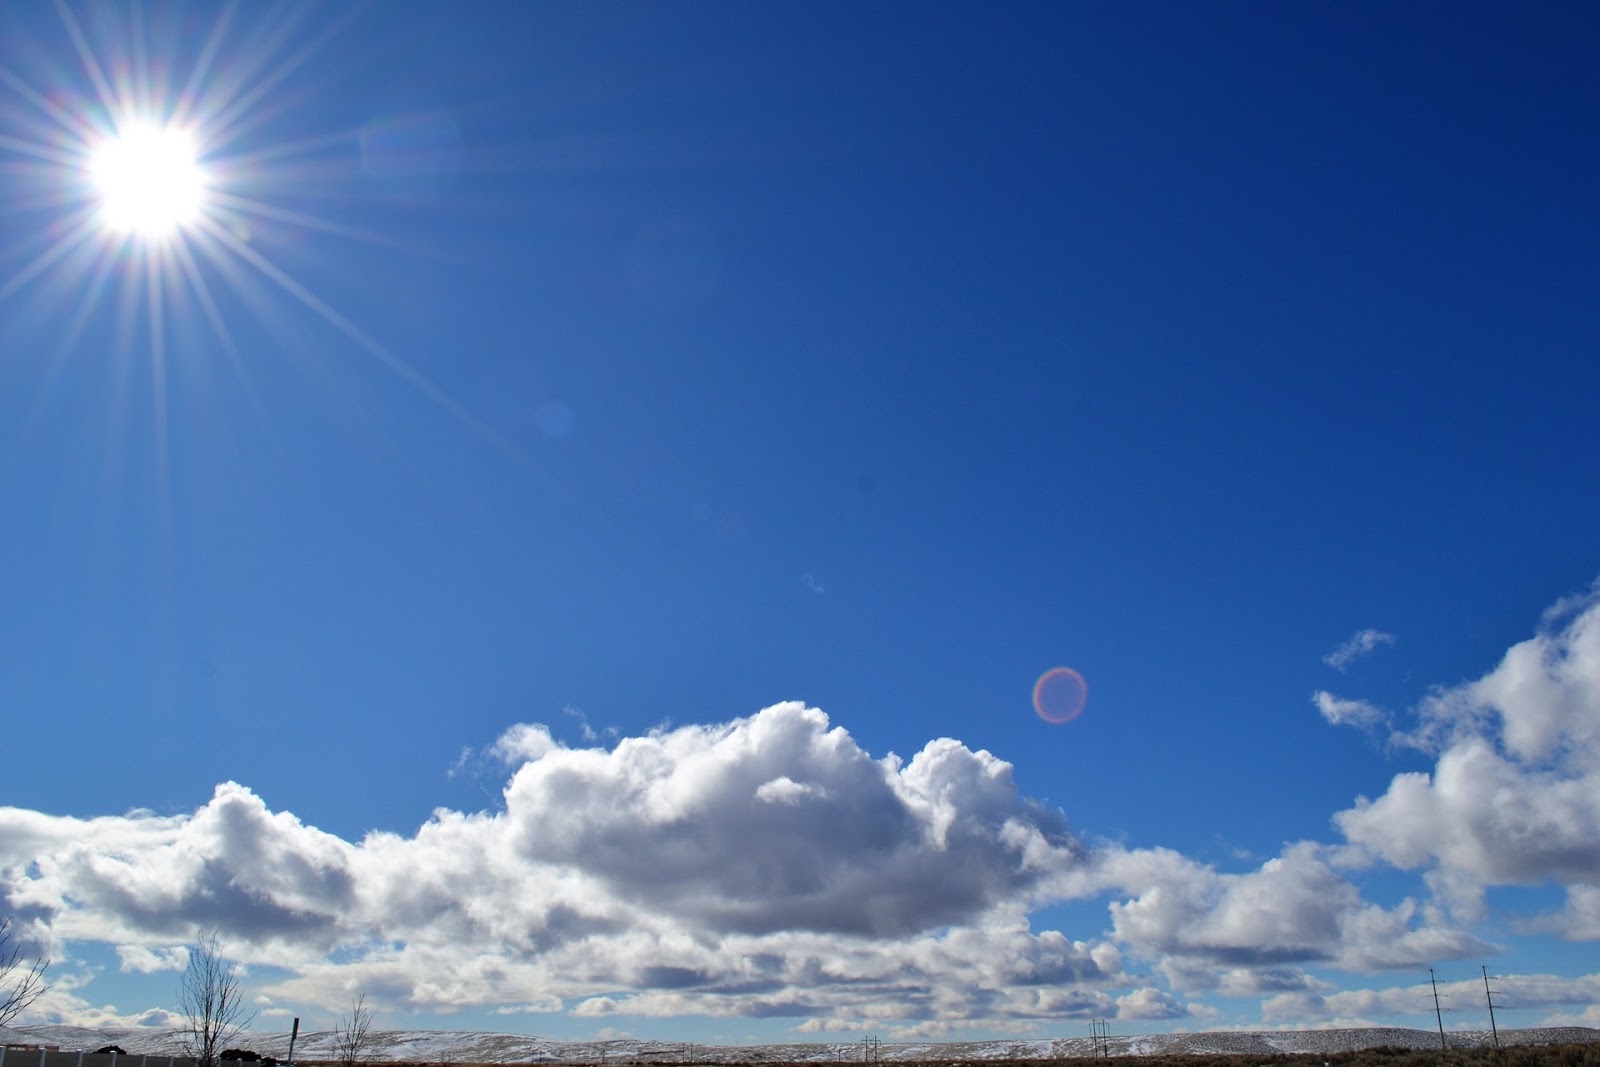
(447, 1046)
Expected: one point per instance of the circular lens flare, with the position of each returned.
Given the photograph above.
(149, 180)
(1059, 695)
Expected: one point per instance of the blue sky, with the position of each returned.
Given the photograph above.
(565, 539)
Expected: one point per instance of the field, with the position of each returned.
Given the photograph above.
(1375, 1047)
(1586, 1054)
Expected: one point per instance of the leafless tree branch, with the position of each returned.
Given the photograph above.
(211, 1001)
(21, 979)
(353, 1036)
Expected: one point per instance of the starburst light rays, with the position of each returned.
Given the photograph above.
(163, 172)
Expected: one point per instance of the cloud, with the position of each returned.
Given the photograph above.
(587, 732)
(1360, 644)
(523, 742)
(140, 878)
(1341, 712)
(1247, 982)
(784, 790)
(771, 867)
(856, 846)
(1515, 992)
(812, 584)
(1294, 909)
(1580, 919)
(145, 960)
(764, 866)
(1149, 1003)
(1514, 795)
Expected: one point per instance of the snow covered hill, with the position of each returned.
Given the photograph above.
(460, 1047)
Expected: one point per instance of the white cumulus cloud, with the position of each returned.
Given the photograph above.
(770, 866)
(1514, 795)
(764, 866)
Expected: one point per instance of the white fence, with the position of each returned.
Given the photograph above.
(27, 1057)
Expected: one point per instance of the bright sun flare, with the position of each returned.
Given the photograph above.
(149, 180)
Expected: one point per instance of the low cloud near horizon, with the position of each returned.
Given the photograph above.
(771, 867)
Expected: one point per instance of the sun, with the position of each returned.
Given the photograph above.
(149, 180)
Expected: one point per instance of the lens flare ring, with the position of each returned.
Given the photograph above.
(1059, 695)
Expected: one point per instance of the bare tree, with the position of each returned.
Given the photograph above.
(211, 1001)
(354, 1034)
(21, 979)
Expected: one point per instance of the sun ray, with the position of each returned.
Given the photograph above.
(154, 271)
(399, 367)
(183, 108)
(213, 315)
(81, 131)
(258, 157)
(80, 233)
(91, 66)
(99, 271)
(139, 88)
(44, 153)
(247, 206)
(153, 278)
(224, 120)
(406, 372)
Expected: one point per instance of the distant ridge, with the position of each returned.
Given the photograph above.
(463, 1047)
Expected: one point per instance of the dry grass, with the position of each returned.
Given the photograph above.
(1569, 1055)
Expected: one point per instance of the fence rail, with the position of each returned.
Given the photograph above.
(27, 1057)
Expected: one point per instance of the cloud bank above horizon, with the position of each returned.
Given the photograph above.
(770, 867)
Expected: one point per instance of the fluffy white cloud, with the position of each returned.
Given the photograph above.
(1148, 1002)
(1580, 920)
(779, 822)
(769, 866)
(529, 741)
(141, 879)
(145, 960)
(1294, 909)
(1514, 797)
(766, 866)
(1361, 643)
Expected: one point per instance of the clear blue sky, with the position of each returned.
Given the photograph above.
(545, 390)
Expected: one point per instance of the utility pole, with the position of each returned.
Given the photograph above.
(1100, 1033)
(1437, 1014)
(1488, 994)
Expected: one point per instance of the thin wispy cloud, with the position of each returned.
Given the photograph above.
(1360, 645)
(1341, 712)
(589, 733)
